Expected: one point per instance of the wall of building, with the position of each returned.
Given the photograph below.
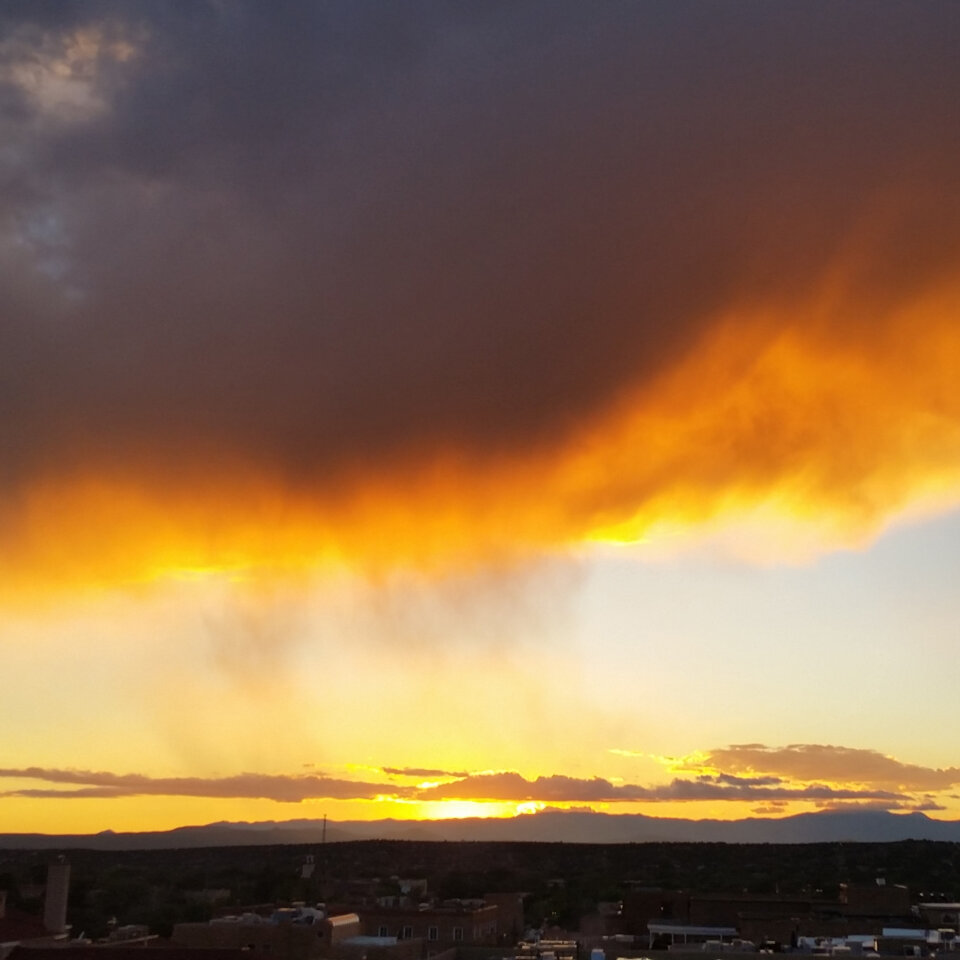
(510, 927)
(438, 926)
(876, 900)
(642, 906)
(401, 950)
(285, 941)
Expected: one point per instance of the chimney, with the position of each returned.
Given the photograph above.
(55, 900)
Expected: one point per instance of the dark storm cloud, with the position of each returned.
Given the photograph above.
(322, 236)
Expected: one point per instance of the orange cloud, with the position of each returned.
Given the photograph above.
(828, 436)
(834, 764)
(772, 427)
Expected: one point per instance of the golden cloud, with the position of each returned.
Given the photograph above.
(807, 762)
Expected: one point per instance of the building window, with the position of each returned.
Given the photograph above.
(433, 933)
(458, 933)
(382, 930)
(406, 933)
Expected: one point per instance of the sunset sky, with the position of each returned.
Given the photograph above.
(449, 409)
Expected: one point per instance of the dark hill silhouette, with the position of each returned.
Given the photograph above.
(861, 826)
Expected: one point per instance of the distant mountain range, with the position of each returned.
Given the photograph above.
(568, 826)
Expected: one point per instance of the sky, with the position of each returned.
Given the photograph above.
(468, 409)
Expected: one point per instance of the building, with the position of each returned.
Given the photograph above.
(449, 924)
(860, 912)
(290, 933)
(510, 918)
(18, 929)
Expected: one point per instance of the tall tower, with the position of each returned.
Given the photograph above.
(55, 900)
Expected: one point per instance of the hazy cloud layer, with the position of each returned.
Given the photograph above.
(553, 789)
(421, 772)
(324, 240)
(923, 806)
(507, 786)
(285, 789)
